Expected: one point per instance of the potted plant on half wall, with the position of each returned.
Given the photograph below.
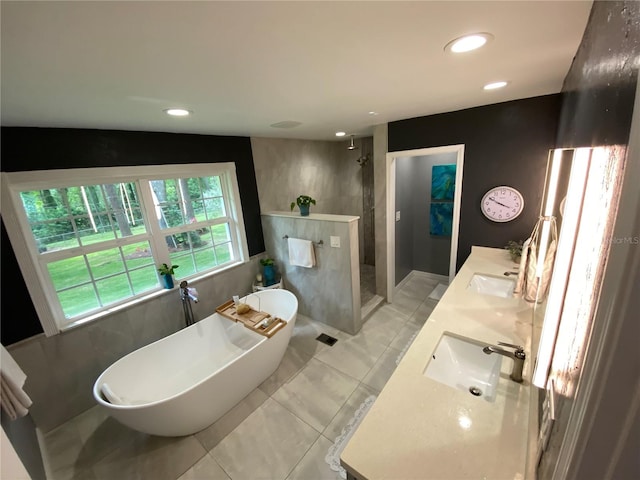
(303, 202)
(167, 272)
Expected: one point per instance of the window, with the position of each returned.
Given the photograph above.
(92, 239)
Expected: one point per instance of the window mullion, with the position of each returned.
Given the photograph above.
(234, 214)
(159, 248)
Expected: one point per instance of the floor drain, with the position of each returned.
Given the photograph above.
(328, 339)
(475, 391)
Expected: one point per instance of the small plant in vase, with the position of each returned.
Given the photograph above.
(268, 271)
(303, 202)
(167, 274)
(515, 250)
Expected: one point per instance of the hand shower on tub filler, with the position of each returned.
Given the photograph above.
(186, 295)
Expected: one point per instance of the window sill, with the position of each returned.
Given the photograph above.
(148, 297)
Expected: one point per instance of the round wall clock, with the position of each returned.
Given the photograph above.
(502, 204)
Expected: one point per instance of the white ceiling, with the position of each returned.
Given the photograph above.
(242, 66)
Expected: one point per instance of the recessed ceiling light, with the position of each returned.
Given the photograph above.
(340, 134)
(468, 42)
(495, 85)
(373, 113)
(177, 112)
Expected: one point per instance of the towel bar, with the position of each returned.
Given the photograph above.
(320, 243)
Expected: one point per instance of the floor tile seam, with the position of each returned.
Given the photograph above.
(370, 368)
(401, 311)
(374, 365)
(404, 323)
(297, 417)
(206, 453)
(411, 296)
(391, 348)
(339, 371)
(210, 454)
(217, 463)
(372, 339)
(380, 324)
(202, 444)
(290, 379)
(360, 383)
(76, 473)
(390, 306)
(302, 457)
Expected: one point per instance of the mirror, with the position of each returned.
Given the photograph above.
(581, 193)
(553, 203)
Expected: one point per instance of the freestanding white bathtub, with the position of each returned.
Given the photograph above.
(183, 383)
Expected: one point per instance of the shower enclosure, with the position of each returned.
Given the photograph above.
(364, 158)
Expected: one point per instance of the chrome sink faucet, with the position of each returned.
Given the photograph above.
(518, 356)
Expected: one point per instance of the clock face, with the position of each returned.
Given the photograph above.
(502, 204)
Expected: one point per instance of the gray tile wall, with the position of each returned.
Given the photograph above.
(330, 291)
(62, 369)
(326, 171)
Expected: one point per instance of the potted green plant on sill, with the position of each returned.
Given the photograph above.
(167, 274)
(303, 202)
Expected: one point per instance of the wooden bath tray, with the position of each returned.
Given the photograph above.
(252, 319)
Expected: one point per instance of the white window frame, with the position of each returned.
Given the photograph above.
(40, 288)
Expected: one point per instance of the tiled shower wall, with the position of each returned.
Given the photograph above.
(324, 170)
(329, 292)
(62, 369)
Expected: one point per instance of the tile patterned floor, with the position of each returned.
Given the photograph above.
(280, 431)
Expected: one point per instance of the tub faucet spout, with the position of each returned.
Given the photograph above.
(186, 295)
(518, 356)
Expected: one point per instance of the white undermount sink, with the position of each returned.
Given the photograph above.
(459, 362)
(492, 285)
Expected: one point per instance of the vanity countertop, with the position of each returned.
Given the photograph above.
(419, 428)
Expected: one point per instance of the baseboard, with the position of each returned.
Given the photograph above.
(433, 276)
(418, 274)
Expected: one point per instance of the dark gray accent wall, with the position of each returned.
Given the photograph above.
(404, 227)
(431, 253)
(29, 149)
(416, 249)
(599, 90)
(505, 144)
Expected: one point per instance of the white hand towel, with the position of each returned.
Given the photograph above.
(14, 401)
(301, 253)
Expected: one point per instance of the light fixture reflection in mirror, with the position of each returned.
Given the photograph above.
(589, 261)
(548, 211)
(564, 255)
(589, 216)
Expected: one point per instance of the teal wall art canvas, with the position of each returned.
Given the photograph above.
(443, 182)
(441, 218)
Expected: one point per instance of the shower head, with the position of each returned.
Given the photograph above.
(351, 145)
